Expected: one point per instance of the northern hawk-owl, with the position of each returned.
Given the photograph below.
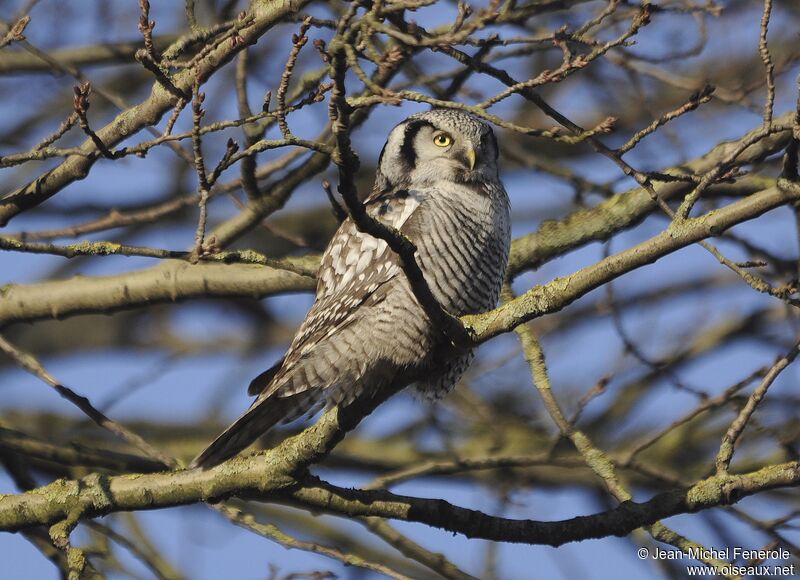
(437, 182)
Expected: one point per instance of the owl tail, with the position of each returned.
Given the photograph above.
(261, 417)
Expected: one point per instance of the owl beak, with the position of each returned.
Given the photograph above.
(472, 157)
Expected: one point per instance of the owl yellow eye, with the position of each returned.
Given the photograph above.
(442, 140)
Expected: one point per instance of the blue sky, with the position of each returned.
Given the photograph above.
(200, 541)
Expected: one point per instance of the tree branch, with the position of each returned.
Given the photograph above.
(171, 281)
(561, 292)
(266, 14)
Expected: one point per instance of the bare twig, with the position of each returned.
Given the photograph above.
(200, 168)
(15, 33)
(270, 531)
(299, 40)
(146, 27)
(81, 105)
(29, 363)
(697, 99)
(763, 51)
(737, 427)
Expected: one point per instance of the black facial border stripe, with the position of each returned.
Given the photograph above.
(407, 152)
(490, 136)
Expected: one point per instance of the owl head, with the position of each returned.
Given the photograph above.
(437, 145)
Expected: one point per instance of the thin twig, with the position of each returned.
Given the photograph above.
(595, 458)
(769, 67)
(271, 532)
(736, 428)
(146, 27)
(29, 363)
(299, 40)
(15, 33)
(697, 99)
(200, 169)
(81, 105)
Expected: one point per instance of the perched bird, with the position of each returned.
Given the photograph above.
(437, 182)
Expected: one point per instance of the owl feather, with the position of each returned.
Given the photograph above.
(437, 183)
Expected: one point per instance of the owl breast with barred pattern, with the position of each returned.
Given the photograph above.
(437, 182)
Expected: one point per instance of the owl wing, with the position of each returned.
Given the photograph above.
(354, 267)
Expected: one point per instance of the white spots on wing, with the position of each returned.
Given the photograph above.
(335, 252)
(385, 266)
(326, 277)
(347, 279)
(351, 260)
(353, 267)
(363, 260)
(370, 244)
(352, 256)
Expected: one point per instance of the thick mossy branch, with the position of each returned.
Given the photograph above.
(170, 281)
(377, 56)
(270, 476)
(554, 238)
(257, 476)
(625, 210)
(557, 294)
(711, 492)
(173, 281)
